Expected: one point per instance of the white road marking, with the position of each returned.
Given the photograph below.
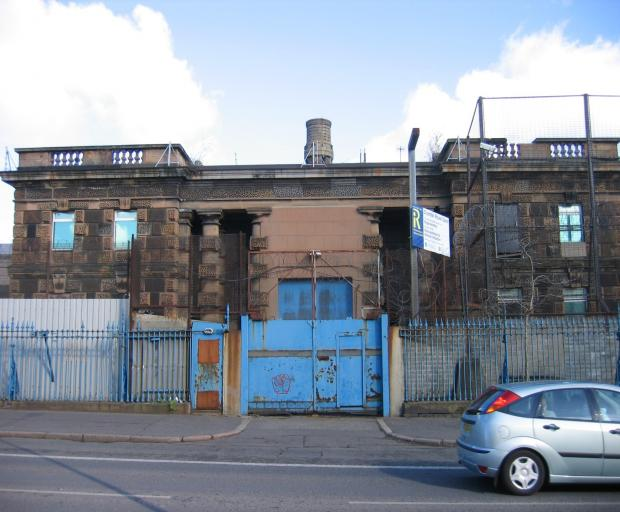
(498, 504)
(90, 494)
(224, 463)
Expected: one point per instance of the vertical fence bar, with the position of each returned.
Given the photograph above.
(406, 335)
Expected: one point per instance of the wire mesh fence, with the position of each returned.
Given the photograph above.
(457, 360)
(562, 126)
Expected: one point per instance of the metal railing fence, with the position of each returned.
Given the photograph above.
(113, 364)
(457, 359)
(157, 364)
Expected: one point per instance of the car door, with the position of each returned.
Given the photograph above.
(566, 425)
(608, 404)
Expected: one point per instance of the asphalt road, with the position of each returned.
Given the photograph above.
(32, 482)
(289, 465)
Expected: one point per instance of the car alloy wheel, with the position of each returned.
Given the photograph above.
(523, 473)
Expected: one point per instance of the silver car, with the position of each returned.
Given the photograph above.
(527, 434)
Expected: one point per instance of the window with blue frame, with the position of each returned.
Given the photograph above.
(125, 227)
(571, 223)
(334, 299)
(63, 225)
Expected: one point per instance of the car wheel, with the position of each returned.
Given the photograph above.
(523, 473)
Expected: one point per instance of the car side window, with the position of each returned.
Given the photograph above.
(526, 407)
(565, 404)
(608, 403)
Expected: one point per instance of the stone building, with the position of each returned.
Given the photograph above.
(529, 244)
(318, 239)
(5, 260)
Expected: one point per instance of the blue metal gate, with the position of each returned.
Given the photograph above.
(206, 379)
(314, 366)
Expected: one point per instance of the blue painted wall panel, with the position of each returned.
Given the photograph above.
(295, 299)
(351, 365)
(280, 335)
(334, 299)
(326, 381)
(280, 379)
(374, 381)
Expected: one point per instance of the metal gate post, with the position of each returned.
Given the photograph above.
(245, 333)
(313, 366)
(385, 364)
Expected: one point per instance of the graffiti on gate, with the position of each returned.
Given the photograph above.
(282, 383)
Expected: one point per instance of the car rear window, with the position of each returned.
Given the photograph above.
(483, 402)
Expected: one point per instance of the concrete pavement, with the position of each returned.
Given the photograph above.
(199, 427)
(435, 431)
(118, 427)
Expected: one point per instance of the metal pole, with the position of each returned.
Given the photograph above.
(600, 303)
(313, 257)
(413, 200)
(378, 278)
(485, 204)
(465, 226)
(617, 380)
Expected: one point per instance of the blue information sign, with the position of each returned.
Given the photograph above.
(430, 231)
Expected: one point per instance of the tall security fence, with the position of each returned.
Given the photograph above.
(457, 360)
(534, 168)
(111, 364)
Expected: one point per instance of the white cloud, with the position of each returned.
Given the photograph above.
(80, 74)
(543, 63)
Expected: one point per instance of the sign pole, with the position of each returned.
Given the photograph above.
(413, 200)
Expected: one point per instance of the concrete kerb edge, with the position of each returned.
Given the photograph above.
(422, 441)
(115, 438)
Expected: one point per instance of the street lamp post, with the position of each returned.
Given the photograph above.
(413, 200)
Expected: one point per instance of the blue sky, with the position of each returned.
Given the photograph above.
(274, 64)
(240, 78)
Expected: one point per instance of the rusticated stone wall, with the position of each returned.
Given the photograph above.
(94, 268)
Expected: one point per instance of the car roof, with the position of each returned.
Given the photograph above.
(529, 388)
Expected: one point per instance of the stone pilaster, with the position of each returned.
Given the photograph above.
(258, 301)
(211, 294)
(373, 242)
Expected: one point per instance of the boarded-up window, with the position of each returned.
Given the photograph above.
(334, 299)
(507, 241)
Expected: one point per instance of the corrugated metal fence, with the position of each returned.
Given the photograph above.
(65, 313)
(112, 364)
(457, 360)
